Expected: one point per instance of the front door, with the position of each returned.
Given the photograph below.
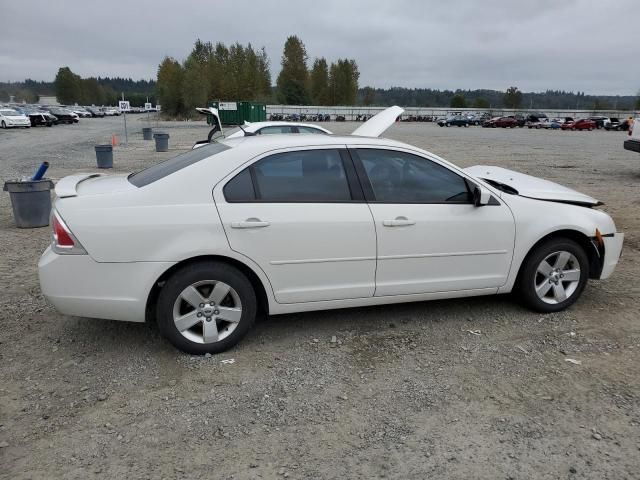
(431, 238)
(294, 214)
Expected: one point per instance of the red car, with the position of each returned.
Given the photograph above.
(504, 122)
(582, 124)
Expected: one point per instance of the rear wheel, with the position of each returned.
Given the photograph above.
(206, 308)
(4, 125)
(554, 275)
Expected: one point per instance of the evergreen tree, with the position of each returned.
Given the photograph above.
(293, 78)
(512, 98)
(169, 86)
(319, 82)
(67, 85)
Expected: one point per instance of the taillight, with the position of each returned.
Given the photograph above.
(63, 240)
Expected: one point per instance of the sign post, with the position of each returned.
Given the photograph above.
(124, 107)
(147, 107)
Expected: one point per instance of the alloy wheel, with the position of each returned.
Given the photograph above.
(207, 311)
(557, 277)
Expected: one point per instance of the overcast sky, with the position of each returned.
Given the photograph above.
(585, 45)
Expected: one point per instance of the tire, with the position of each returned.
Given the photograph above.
(239, 304)
(573, 264)
(4, 125)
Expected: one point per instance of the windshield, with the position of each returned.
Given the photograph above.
(161, 170)
(10, 113)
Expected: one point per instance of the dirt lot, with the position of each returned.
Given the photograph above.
(472, 388)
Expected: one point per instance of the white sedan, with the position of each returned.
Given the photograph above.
(12, 118)
(292, 223)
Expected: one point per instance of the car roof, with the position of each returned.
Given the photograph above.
(256, 125)
(274, 142)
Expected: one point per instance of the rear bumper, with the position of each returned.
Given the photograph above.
(612, 252)
(77, 285)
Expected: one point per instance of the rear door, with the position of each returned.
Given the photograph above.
(301, 216)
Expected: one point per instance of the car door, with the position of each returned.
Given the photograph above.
(431, 237)
(301, 216)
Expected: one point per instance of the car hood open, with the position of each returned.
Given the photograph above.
(378, 124)
(531, 187)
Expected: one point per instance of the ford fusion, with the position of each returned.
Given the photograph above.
(291, 223)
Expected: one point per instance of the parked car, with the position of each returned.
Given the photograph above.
(612, 124)
(535, 120)
(256, 128)
(111, 111)
(80, 111)
(38, 117)
(10, 118)
(502, 122)
(95, 112)
(293, 223)
(553, 124)
(454, 121)
(63, 115)
(580, 124)
(600, 121)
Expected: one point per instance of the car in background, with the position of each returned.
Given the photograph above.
(600, 121)
(612, 124)
(454, 121)
(11, 118)
(38, 117)
(580, 124)
(203, 242)
(535, 120)
(553, 124)
(80, 111)
(501, 122)
(63, 115)
(111, 111)
(95, 112)
(476, 118)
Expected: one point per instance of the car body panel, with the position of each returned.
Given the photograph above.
(529, 186)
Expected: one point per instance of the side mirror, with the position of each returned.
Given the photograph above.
(481, 196)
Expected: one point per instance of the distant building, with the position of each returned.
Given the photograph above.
(48, 100)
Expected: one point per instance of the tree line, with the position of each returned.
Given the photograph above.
(482, 98)
(241, 73)
(70, 88)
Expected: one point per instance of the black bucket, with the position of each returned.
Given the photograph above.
(147, 133)
(31, 202)
(162, 142)
(104, 156)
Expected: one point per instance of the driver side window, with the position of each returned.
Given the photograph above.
(399, 177)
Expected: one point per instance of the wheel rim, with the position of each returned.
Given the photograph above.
(207, 311)
(557, 277)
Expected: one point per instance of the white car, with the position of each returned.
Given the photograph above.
(111, 111)
(10, 118)
(257, 128)
(293, 223)
(79, 111)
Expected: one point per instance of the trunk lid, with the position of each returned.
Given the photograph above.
(379, 123)
(91, 184)
(531, 187)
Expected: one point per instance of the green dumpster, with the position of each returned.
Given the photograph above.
(236, 113)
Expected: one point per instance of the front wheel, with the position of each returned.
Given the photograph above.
(554, 275)
(206, 307)
(3, 125)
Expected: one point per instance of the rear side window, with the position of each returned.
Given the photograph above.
(166, 168)
(292, 177)
(275, 130)
(398, 177)
(309, 130)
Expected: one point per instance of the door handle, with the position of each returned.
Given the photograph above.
(398, 222)
(250, 223)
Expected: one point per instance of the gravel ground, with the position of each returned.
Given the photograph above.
(467, 388)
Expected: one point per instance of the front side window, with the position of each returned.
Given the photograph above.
(398, 177)
(292, 177)
(277, 129)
